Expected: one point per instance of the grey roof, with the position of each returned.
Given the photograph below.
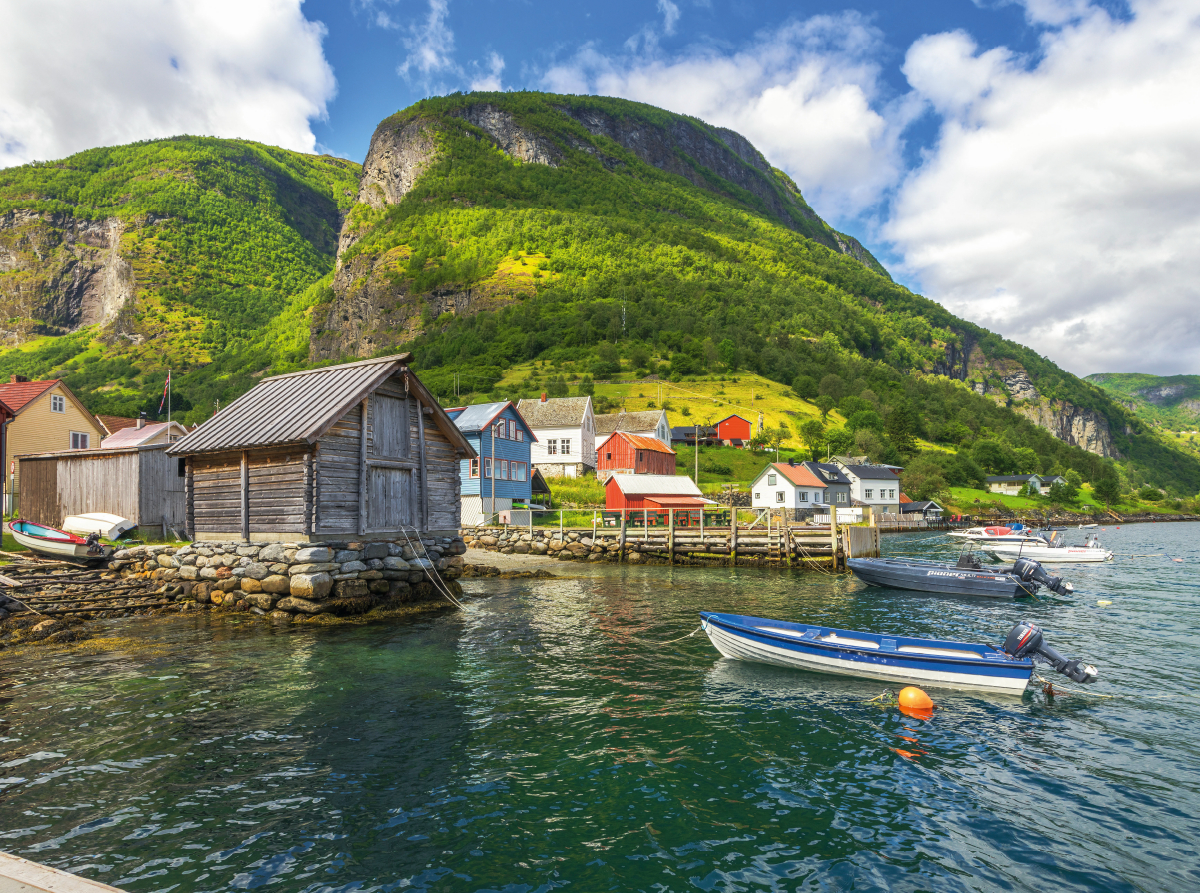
(919, 507)
(474, 418)
(1011, 478)
(872, 472)
(827, 472)
(556, 412)
(656, 484)
(301, 406)
(631, 422)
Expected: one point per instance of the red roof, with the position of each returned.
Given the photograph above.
(904, 498)
(115, 423)
(638, 442)
(799, 475)
(18, 394)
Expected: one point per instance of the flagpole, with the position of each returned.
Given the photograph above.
(168, 396)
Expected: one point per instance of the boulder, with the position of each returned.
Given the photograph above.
(395, 563)
(537, 548)
(274, 552)
(277, 583)
(344, 555)
(521, 548)
(208, 573)
(370, 575)
(187, 572)
(304, 606)
(311, 586)
(378, 586)
(314, 568)
(281, 615)
(352, 588)
(249, 584)
(375, 550)
(257, 571)
(247, 551)
(167, 561)
(314, 555)
(398, 589)
(488, 540)
(353, 567)
(262, 600)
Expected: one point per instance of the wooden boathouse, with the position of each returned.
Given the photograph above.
(357, 450)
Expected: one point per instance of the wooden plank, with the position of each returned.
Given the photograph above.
(308, 493)
(424, 471)
(245, 496)
(190, 484)
(362, 468)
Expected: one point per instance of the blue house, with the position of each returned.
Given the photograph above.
(502, 473)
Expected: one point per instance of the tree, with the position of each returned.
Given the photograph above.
(870, 444)
(850, 405)
(1062, 493)
(639, 357)
(839, 441)
(805, 386)
(1032, 489)
(812, 433)
(1027, 461)
(727, 353)
(867, 418)
(1108, 488)
(832, 386)
(901, 429)
(825, 403)
(1074, 479)
(557, 387)
(587, 387)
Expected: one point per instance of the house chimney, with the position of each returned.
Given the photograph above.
(791, 461)
(543, 396)
(19, 378)
(142, 420)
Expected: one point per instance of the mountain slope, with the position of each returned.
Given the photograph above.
(565, 235)
(1170, 401)
(179, 251)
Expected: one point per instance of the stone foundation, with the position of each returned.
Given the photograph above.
(286, 580)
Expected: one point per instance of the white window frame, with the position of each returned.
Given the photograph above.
(869, 493)
(780, 496)
(804, 496)
(551, 447)
(487, 466)
(565, 447)
(81, 440)
(771, 480)
(841, 497)
(58, 403)
(474, 468)
(503, 470)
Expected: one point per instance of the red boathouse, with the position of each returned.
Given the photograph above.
(635, 454)
(734, 427)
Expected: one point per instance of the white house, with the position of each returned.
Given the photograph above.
(145, 434)
(874, 485)
(1018, 484)
(565, 428)
(648, 423)
(783, 485)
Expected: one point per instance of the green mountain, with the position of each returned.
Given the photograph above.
(569, 235)
(1172, 402)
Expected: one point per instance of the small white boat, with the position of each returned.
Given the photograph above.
(1088, 526)
(110, 527)
(52, 541)
(1051, 553)
(1015, 534)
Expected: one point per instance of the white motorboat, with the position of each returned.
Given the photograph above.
(110, 527)
(1088, 526)
(1051, 553)
(1015, 534)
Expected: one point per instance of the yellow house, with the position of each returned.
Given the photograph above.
(46, 416)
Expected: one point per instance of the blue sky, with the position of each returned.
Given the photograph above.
(1033, 165)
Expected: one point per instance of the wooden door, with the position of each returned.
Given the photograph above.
(389, 498)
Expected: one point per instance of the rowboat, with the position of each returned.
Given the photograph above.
(1052, 553)
(967, 577)
(52, 541)
(896, 659)
(110, 527)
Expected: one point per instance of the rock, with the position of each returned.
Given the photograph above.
(217, 598)
(302, 605)
(277, 583)
(352, 588)
(598, 556)
(375, 550)
(201, 591)
(279, 568)
(375, 564)
(122, 555)
(311, 586)
(230, 585)
(313, 568)
(488, 540)
(274, 552)
(314, 555)
(248, 551)
(398, 589)
(577, 549)
(281, 615)
(537, 548)
(521, 548)
(223, 573)
(46, 626)
(343, 555)
(395, 563)
(263, 600)
(379, 586)
(208, 573)
(257, 571)
(206, 552)
(188, 573)
(422, 563)
(353, 567)
(249, 584)
(395, 550)
(555, 545)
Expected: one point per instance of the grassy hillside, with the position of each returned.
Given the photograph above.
(1171, 402)
(225, 239)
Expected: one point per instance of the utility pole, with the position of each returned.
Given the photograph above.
(697, 456)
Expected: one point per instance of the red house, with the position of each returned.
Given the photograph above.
(633, 453)
(734, 427)
(652, 491)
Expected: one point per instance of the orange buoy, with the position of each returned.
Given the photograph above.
(915, 703)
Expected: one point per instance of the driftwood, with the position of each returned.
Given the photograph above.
(78, 591)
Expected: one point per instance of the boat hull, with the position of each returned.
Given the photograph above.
(51, 541)
(108, 526)
(938, 579)
(896, 659)
(1063, 555)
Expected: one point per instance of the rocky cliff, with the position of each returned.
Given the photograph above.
(375, 305)
(59, 272)
(1079, 427)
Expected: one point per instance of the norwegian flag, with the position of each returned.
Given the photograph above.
(166, 387)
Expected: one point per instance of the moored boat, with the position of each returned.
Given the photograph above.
(52, 541)
(1015, 533)
(109, 526)
(1051, 553)
(896, 659)
(967, 577)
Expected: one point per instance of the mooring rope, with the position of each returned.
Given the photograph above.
(436, 579)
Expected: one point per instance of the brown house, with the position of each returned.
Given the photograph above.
(361, 449)
(635, 454)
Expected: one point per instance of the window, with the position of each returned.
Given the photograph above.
(891, 494)
(498, 430)
(770, 480)
(804, 496)
(758, 496)
(868, 493)
(841, 497)
(80, 441)
(779, 496)
(552, 447)
(566, 447)
(518, 470)
(504, 469)
(639, 455)
(58, 403)
(520, 433)
(487, 468)
(608, 456)
(474, 468)
(181, 468)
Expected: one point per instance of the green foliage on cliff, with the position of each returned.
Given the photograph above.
(1170, 401)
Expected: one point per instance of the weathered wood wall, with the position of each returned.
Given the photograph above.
(143, 486)
(217, 497)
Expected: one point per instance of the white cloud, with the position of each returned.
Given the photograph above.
(430, 43)
(1061, 205)
(670, 14)
(76, 75)
(803, 94)
(490, 79)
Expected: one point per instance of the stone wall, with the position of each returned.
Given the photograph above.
(286, 580)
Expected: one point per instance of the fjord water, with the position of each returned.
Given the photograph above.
(545, 738)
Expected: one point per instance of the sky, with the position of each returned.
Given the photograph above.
(1032, 165)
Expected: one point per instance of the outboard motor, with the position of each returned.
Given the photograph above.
(1025, 640)
(1031, 571)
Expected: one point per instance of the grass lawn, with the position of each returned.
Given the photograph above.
(962, 499)
(11, 545)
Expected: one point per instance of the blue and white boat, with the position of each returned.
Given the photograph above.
(898, 659)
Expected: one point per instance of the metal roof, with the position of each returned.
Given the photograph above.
(640, 442)
(872, 472)
(135, 435)
(301, 406)
(656, 485)
(474, 418)
(831, 474)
